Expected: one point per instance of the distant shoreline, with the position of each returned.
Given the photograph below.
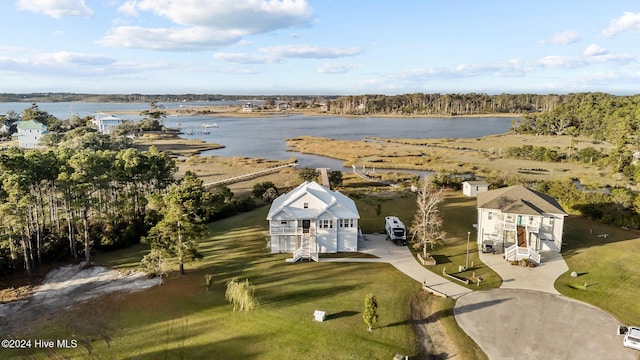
(235, 111)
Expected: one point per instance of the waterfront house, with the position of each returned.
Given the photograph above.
(472, 188)
(248, 107)
(29, 133)
(312, 219)
(105, 123)
(519, 222)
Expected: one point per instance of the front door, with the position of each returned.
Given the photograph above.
(306, 224)
(522, 236)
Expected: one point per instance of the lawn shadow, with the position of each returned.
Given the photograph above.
(476, 306)
(341, 314)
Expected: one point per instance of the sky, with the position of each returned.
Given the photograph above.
(319, 47)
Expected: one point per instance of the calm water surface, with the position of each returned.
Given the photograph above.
(264, 137)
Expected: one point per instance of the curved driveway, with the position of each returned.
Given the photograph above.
(527, 324)
(525, 319)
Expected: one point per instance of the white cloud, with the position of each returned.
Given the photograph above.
(335, 68)
(565, 37)
(55, 8)
(193, 38)
(514, 67)
(593, 50)
(307, 51)
(70, 64)
(275, 54)
(629, 22)
(201, 25)
(240, 58)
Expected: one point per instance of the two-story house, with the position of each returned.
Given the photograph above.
(312, 219)
(29, 133)
(520, 221)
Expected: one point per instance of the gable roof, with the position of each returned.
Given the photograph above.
(331, 201)
(476, 182)
(519, 200)
(31, 124)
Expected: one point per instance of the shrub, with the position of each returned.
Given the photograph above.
(241, 295)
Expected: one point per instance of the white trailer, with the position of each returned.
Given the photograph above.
(396, 230)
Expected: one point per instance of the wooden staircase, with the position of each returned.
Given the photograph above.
(304, 251)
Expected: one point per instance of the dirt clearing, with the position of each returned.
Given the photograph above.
(64, 286)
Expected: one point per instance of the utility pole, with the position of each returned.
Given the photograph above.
(466, 265)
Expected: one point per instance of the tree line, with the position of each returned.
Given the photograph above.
(59, 203)
(443, 104)
(86, 191)
(605, 117)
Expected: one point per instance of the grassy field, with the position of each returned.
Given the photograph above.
(212, 168)
(607, 269)
(174, 145)
(181, 319)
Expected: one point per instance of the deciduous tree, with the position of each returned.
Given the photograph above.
(426, 226)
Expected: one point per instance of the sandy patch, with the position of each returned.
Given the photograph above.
(65, 286)
(433, 341)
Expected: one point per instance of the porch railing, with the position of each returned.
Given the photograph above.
(289, 230)
(514, 252)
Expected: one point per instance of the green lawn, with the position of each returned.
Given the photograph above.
(180, 319)
(459, 213)
(608, 267)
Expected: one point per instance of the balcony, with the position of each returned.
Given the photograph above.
(288, 230)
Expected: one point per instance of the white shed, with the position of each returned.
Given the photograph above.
(472, 188)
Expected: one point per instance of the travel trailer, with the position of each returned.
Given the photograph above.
(395, 230)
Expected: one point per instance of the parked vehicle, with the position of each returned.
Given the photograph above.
(632, 338)
(396, 230)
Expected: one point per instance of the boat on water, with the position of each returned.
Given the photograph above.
(214, 125)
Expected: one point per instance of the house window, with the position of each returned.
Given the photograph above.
(345, 223)
(326, 224)
(551, 221)
(490, 215)
(509, 218)
(530, 220)
(306, 205)
(283, 222)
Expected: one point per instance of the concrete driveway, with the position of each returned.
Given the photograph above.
(525, 319)
(527, 324)
(402, 259)
(540, 278)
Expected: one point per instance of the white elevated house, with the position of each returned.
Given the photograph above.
(520, 221)
(105, 122)
(472, 188)
(29, 133)
(312, 219)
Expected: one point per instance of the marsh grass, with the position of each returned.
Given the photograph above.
(482, 156)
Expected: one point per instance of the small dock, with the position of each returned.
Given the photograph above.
(250, 176)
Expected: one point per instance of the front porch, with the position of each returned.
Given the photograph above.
(517, 253)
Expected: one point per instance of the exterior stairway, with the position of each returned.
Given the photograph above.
(304, 251)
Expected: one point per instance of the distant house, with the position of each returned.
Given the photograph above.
(283, 106)
(248, 107)
(29, 133)
(520, 221)
(105, 122)
(472, 188)
(312, 219)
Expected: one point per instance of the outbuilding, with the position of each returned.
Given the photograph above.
(472, 188)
